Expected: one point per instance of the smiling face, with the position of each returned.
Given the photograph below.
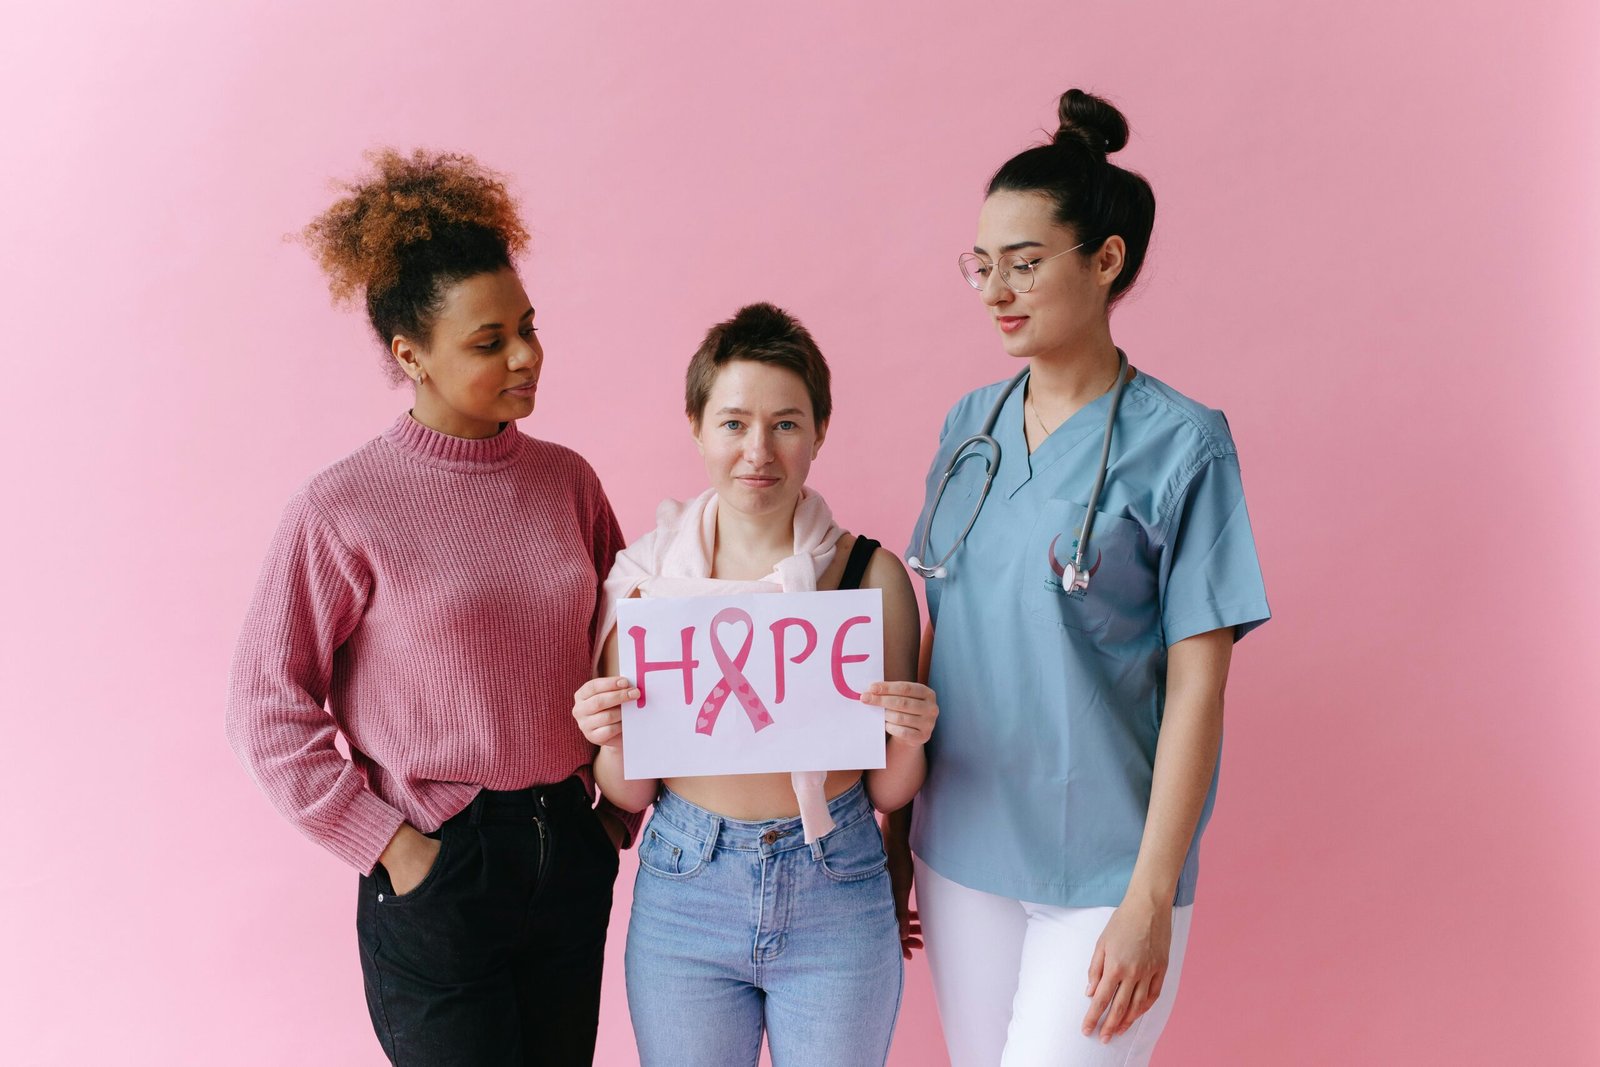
(1067, 304)
(758, 437)
(480, 365)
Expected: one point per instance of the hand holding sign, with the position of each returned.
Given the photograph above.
(801, 710)
(597, 705)
(909, 710)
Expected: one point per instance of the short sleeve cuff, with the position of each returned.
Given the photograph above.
(1242, 617)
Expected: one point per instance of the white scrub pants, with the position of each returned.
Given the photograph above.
(1009, 977)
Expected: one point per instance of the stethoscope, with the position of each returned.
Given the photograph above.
(1074, 575)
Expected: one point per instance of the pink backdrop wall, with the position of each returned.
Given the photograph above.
(1377, 249)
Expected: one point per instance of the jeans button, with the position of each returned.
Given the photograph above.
(771, 837)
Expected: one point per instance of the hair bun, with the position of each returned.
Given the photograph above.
(408, 200)
(1090, 121)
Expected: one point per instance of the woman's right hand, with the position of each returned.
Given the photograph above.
(902, 875)
(408, 858)
(597, 706)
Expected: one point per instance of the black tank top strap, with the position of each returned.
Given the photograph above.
(855, 568)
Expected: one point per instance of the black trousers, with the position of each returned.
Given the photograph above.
(495, 957)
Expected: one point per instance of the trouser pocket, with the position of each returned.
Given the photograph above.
(500, 948)
(435, 930)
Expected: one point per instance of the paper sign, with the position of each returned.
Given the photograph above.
(753, 683)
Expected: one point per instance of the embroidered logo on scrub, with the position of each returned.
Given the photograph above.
(1060, 569)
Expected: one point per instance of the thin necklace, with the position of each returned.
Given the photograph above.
(1047, 431)
(1031, 406)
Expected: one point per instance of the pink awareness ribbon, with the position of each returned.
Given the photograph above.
(733, 681)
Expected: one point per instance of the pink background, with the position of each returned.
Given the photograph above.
(1377, 250)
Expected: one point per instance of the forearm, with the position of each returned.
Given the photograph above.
(897, 820)
(312, 785)
(908, 711)
(893, 785)
(897, 828)
(310, 595)
(1186, 761)
(627, 794)
(278, 728)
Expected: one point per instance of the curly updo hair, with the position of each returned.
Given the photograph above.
(1093, 197)
(407, 232)
(760, 333)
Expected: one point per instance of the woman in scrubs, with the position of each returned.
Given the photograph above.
(1057, 834)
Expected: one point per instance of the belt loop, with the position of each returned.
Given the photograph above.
(816, 850)
(475, 809)
(711, 839)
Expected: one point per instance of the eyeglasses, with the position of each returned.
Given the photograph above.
(1016, 271)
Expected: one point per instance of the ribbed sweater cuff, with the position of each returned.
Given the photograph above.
(365, 831)
(630, 820)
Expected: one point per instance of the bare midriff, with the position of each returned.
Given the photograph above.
(753, 797)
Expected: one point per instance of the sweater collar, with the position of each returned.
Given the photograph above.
(454, 453)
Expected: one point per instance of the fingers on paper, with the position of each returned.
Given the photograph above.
(915, 690)
(606, 693)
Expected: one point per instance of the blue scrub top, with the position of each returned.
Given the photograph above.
(1050, 703)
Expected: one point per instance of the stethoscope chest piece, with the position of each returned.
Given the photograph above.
(1073, 580)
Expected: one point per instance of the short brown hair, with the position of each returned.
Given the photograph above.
(760, 333)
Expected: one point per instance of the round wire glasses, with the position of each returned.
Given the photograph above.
(1016, 270)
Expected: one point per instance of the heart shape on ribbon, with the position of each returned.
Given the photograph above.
(733, 681)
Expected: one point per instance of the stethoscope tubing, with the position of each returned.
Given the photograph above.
(1105, 461)
(985, 437)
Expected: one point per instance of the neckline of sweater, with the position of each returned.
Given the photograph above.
(429, 446)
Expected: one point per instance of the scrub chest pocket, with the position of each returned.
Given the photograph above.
(1119, 577)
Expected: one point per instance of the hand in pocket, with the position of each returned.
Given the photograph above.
(409, 858)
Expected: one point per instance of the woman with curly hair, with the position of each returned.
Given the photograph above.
(432, 597)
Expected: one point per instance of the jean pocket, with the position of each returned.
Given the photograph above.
(854, 852)
(668, 852)
(429, 880)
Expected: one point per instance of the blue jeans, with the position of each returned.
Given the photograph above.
(741, 926)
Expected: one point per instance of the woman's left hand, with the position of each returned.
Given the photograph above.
(909, 709)
(1128, 967)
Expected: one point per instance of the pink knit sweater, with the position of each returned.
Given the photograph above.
(433, 599)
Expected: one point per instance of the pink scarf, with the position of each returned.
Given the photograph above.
(674, 559)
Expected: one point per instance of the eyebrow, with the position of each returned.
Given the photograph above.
(498, 326)
(742, 411)
(1011, 247)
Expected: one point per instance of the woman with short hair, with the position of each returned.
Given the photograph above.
(763, 905)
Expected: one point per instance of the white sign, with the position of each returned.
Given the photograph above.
(754, 683)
